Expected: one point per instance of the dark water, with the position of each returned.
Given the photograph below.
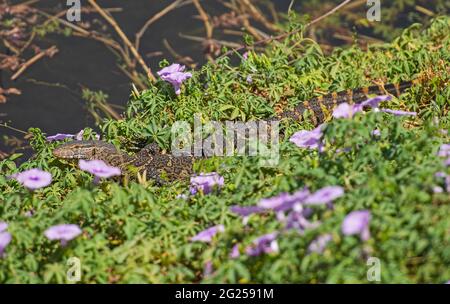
(84, 63)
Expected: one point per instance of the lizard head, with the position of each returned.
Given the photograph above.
(84, 149)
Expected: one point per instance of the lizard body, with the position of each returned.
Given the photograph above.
(158, 165)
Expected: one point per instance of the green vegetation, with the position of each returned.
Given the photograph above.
(140, 232)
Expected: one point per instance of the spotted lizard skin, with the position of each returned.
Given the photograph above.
(150, 160)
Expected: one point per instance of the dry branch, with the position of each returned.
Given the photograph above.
(48, 52)
(155, 18)
(124, 38)
(282, 36)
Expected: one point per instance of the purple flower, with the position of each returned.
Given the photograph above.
(249, 79)
(264, 244)
(98, 168)
(275, 202)
(234, 254)
(284, 201)
(319, 244)
(246, 210)
(59, 136)
(63, 233)
(325, 195)
(3, 226)
(79, 135)
(308, 139)
(357, 222)
(173, 68)
(175, 75)
(5, 239)
(245, 55)
(447, 162)
(296, 220)
(345, 110)
(208, 269)
(205, 182)
(374, 102)
(438, 189)
(399, 112)
(33, 178)
(440, 175)
(376, 133)
(444, 150)
(207, 235)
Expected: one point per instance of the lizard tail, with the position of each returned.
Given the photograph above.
(321, 107)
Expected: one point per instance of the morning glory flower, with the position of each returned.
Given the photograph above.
(79, 135)
(59, 136)
(325, 195)
(319, 244)
(208, 269)
(357, 222)
(3, 226)
(308, 139)
(284, 201)
(399, 112)
(274, 202)
(98, 168)
(296, 220)
(205, 182)
(375, 133)
(207, 235)
(234, 254)
(447, 162)
(245, 210)
(444, 150)
(345, 110)
(63, 233)
(374, 102)
(264, 244)
(438, 189)
(33, 179)
(175, 75)
(5, 239)
(173, 68)
(440, 174)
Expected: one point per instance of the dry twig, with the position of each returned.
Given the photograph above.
(153, 19)
(124, 38)
(282, 36)
(48, 52)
